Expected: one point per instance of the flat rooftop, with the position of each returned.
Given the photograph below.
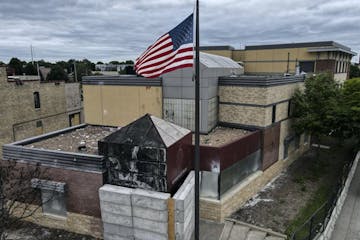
(81, 140)
(258, 80)
(221, 135)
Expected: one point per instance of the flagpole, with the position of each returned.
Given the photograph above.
(197, 123)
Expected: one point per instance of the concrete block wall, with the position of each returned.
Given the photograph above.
(133, 213)
(184, 209)
(145, 215)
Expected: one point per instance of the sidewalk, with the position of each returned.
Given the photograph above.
(347, 226)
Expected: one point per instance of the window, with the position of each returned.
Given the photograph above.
(307, 66)
(39, 123)
(37, 99)
(52, 196)
(53, 202)
(290, 108)
(273, 114)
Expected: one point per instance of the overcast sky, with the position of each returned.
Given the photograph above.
(104, 30)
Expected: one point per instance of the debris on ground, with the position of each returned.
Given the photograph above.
(221, 135)
(82, 140)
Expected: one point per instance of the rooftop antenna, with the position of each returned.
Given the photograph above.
(32, 55)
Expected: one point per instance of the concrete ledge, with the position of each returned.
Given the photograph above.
(115, 194)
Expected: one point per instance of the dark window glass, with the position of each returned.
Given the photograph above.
(39, 123)
(307, 66)
(273, 113)
(289, 108)
(37, 99)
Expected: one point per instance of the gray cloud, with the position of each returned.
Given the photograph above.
(122, 29)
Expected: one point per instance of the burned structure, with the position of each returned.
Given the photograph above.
(149, 153)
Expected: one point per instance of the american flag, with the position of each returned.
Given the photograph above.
(171, 51)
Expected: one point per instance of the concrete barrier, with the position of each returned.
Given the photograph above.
(133, 213)
(184, 209)
(147, 215)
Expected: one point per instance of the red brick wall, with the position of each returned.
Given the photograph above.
(81, 188)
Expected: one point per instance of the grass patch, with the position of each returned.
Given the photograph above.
(327, 169)
(320, 197)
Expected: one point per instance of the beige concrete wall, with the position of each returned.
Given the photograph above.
(264, 97)
(246, 115)
(239, 55)
(239, 94)
(72, 96)
(120, 105)
(258, 95)
(282, 111)
(18, 115)
(275, 60)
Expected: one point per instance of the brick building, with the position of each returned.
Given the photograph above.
(29, 107)
(310, 57)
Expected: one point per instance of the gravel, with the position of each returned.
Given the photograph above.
(86, 137)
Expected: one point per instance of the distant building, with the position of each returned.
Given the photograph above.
(29, 107)
(112, 67)
(309, 57)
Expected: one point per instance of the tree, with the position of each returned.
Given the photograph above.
(114, 62)
(99, 62)
(129, 70)
(315, 110)
(30, 69)
(16, 65)
(57, 73)
(354, 71)
(349, 111)
(18, 199)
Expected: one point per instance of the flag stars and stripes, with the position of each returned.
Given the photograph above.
(171, 51)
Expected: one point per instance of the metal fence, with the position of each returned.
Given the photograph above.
(318, 221)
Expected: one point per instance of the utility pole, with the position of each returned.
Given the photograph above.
(197, 125)
(75, 72)
(32, 55)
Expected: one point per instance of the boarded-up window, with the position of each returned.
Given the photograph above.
(307, 66)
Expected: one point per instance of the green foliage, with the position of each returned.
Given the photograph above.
(315, 108)
(30, 69)
(57, 73)
(354, 71)
(350, 108)
(324, 108)
(16, 65)
(129, 70)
